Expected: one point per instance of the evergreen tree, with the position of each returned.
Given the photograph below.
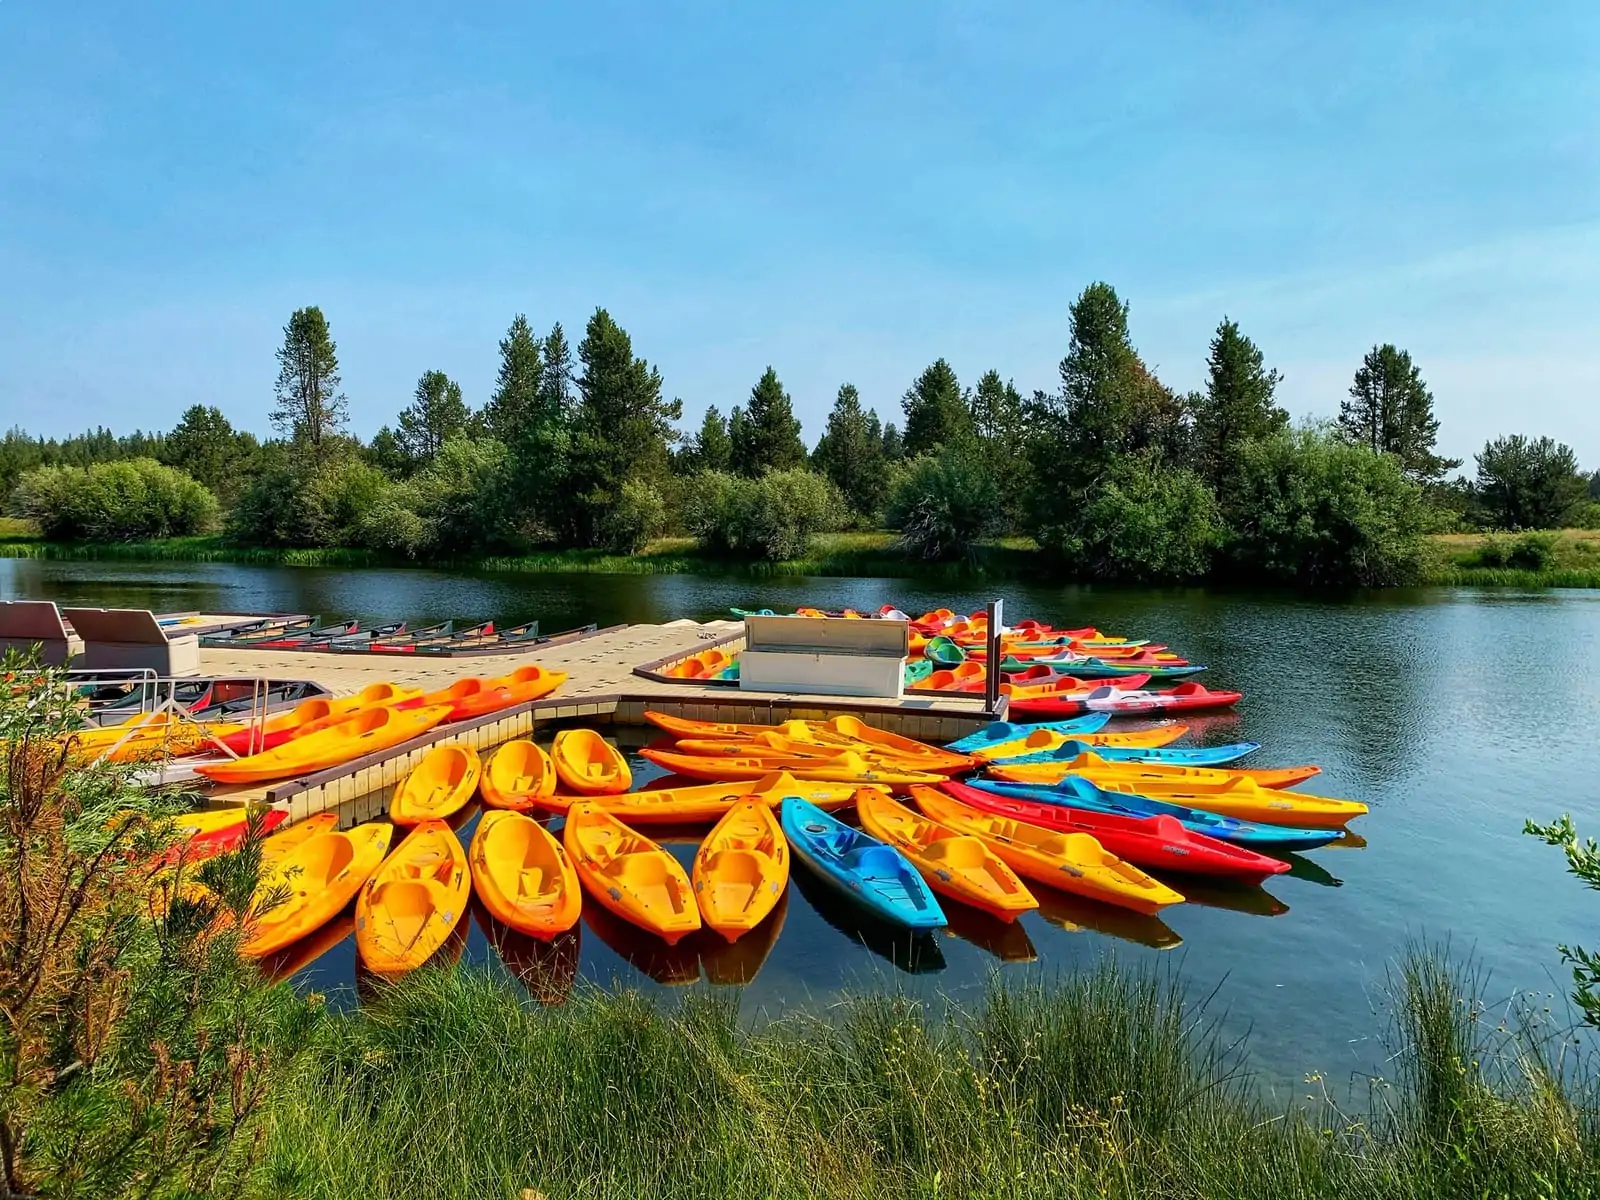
(1237, 405)
(851, 454)
(997, 418)
(555, 385)
(894, 446)
(388, 454)
(767, 436)
(621, 429)
(518, 393)
(1529, 483)
(206, 446)
(936, 412)
(1390, 411)
(310, 407)
(437, 414)
(711, 449)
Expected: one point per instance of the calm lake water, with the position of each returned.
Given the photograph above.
(1454, 714)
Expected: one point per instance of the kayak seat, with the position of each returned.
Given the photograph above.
(533, 882)
(875, 861)
(959, 852)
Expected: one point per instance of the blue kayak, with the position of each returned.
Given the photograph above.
(1074, 792)
(1006, 731)
(1198, 756)
(874, 875)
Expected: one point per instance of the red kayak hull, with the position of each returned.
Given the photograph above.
(1161, 843)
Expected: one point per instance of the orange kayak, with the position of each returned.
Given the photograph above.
(849, 767)
(410, 907)
(362, 733)
(437, 787)
(588, 764)
(523, 876)
(518, 777)
(629, 874)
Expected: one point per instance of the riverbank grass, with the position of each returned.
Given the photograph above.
(1099, 1084)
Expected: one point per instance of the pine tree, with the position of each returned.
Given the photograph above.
(437, 414)
(1529, 483)
(518, 394)
(621, 429)
(851, 453)
(936, 412)
(894, 446)
(1237, 405)
(555, 386)
(1390, 411)
(767, 436)
(206, 445)
(310, 407)
(997, 419)
(712, 448)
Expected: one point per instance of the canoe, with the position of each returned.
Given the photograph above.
(311, 884)
(1034, 743)
(1091, 766)
(741, 869)
(588, 764)
(518, 776)
(362, 733)
(1195, 756)
(1073, 862)
(1159, 842)
(1244, 799)
(523, 876)
(859, 866)
(277, 847)
(409, 908)
(709, 801)
(955, 864)
(999, 732)
(278, 729)
(629, 874)
(844, 768)
(1080, 793)
(438, 786)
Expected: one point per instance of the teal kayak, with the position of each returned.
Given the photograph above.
(876, 876)
(1096, 668)
(942, 652)
(1194, 756)
(1008, 731)
(917, 670)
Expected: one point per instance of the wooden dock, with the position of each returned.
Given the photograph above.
(603, 687)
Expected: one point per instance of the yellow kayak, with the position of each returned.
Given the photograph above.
(1096, 769)
(365, 732)
(710, 801)
(151, 735)
(779, 748)
(955, 864)
(1073, 862)
(519, 776)
(629, 874)
(588, 764)
(849, 767)
(741, 869)
(1242, 800)
(852, 731)
(438, 786)
(1042, 741)
(278, 846)
(314, 881)
(409, 908)
(523, 876)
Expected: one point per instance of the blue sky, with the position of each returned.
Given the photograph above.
(844, 191)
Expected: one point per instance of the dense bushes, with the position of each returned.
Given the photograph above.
(773, 517)
(124, 501)
(1143, 523)
(1315, 510)
(944, 504)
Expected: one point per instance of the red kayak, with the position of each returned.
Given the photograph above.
(222, 841)
(1041, 679)
(1160, 842)
(1186, 697)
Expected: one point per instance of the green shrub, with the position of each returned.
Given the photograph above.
(133, 500)
(294, 505)
(773, 517)
(1317, 511)
(639, 514)
(944, 505)
(1142, 523)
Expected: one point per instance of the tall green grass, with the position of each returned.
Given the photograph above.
(1101, 1084)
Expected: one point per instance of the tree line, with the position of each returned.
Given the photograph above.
(1112, 473)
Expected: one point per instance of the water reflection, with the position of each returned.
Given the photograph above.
(1212, 893)
(297, 956)
(913, 953)
(1006, 940)
(547, 969)
(672, 966)
(1301, 867)
(1075, 914)
(734, 964)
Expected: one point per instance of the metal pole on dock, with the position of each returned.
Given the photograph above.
(991, 677)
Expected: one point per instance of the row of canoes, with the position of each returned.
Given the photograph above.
(351, 637)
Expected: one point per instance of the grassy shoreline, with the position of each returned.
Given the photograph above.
(1568, 559)
(1100, 1083)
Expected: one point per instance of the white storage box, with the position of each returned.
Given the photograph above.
(825, 656)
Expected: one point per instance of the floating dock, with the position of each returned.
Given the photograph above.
(613, 678)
